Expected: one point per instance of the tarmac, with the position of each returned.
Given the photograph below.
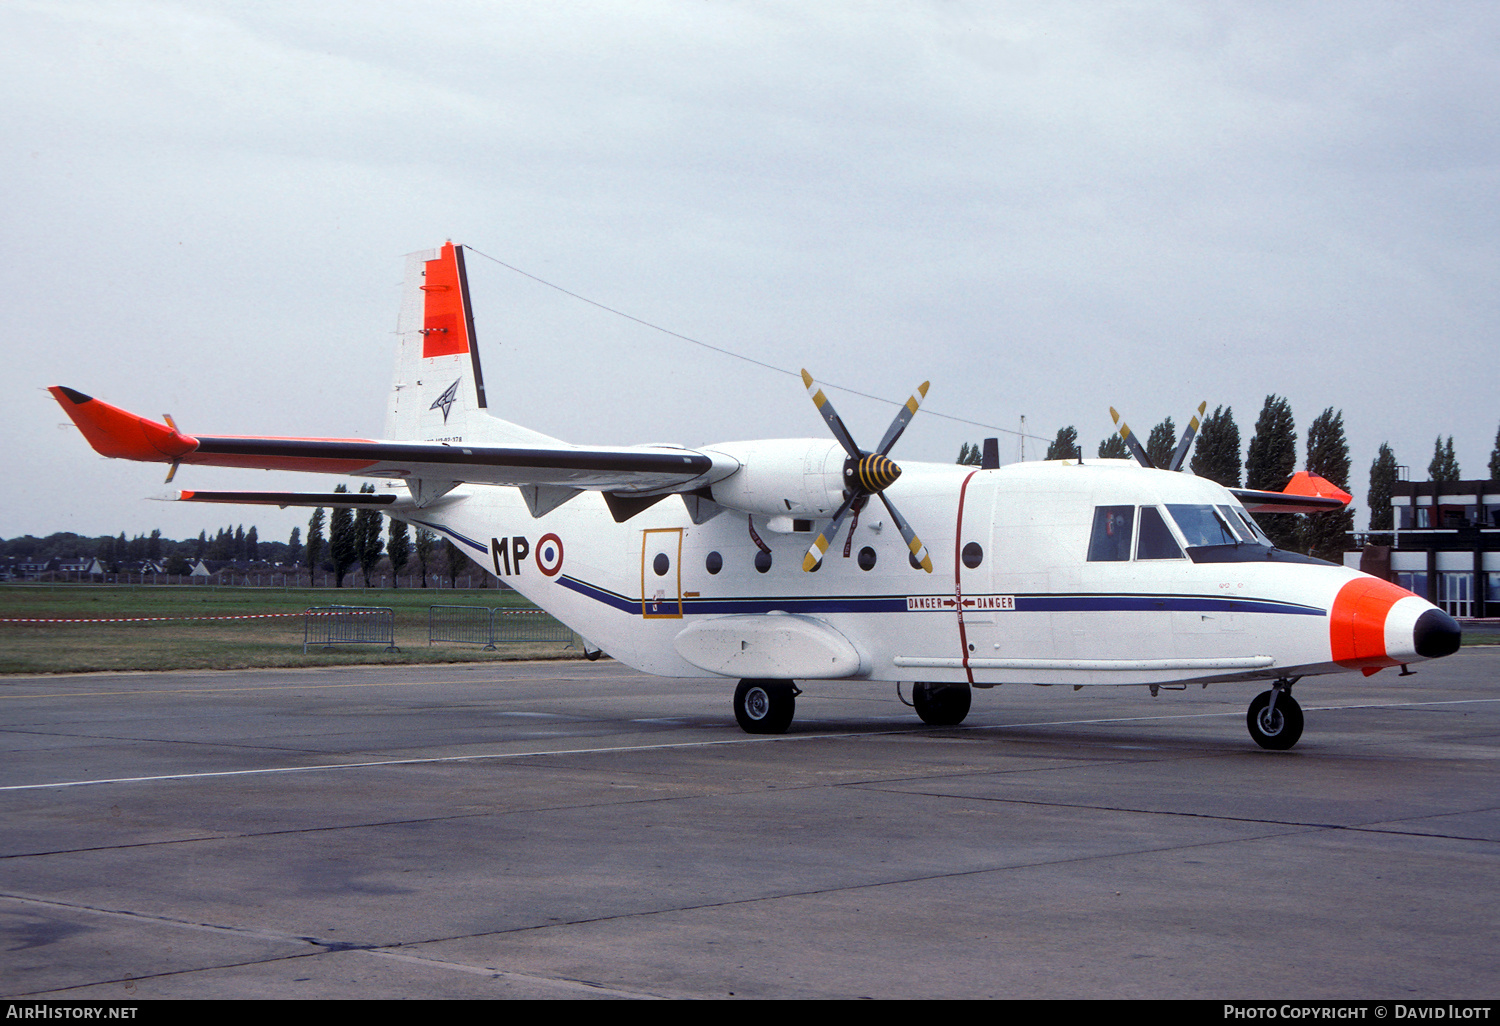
(578, 830)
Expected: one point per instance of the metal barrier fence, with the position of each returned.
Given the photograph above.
(349, 625)
(475, 625)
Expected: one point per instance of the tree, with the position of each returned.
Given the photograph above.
(398, 547)
(1162, 443)
(1444, 465)
(1328, 457)
(1065, 445)
(1216, 454)
(294, 548)
(367, 542)
(1495, 458)
(456, 561)
(1383, 475)
(970, 455)
(1114, 448)
(314, 545)
(341, 542)
(1269, 465)
(425, 541)
(252, 544)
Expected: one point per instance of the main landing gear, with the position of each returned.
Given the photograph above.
(765, 706)
(1275, 718)
(941, 705)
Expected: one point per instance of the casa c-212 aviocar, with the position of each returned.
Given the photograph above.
(725, 560)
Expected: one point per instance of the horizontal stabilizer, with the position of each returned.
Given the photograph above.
(348, 500)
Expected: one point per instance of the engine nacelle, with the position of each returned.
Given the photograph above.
(801, 477)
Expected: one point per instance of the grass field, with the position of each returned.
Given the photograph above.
(181, 643)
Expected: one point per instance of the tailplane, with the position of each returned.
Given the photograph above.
(438, 391)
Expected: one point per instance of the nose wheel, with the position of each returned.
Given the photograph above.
(765, 706)
(1275, 718)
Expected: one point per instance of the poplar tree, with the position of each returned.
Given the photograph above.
(1328, 457)
(455, 561)
(1162, 443)
(1382, 484)
(367, 542)
(425, 540)
(294, 548)
(314, 545)
(1269, 465)
(398, 547)
(1065, 445)
(970, 455)
(1495, 458)
(1444, 465)
(1114, 448)
(341, 545)
(1216, 454)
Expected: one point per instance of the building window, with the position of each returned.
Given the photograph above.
(1424, 516)
(1456, 593)
(1414, 582)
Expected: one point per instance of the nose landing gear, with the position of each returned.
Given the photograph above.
(1275, 718)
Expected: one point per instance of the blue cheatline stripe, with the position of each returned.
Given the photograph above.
(448, 530)
(1159, 603)
(897, 603)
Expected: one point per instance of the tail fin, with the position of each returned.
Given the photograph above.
(438, 391)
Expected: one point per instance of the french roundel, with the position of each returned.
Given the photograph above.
(549, 555)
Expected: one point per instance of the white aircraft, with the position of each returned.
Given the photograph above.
(725, 560)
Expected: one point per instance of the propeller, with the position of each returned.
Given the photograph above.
(866, 474)
(1139, 452)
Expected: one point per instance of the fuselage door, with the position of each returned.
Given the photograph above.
(661, 573)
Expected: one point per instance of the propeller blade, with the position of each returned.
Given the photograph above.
(820, 547)
(903, 418)
(1136, 448)
(1187, 438)
(830, 416)
(918, 550)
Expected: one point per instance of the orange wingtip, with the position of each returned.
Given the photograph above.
(119, 433)
(1305, 483)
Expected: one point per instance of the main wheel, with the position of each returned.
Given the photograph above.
(941, 705)
(764, 706)
(1276, 729)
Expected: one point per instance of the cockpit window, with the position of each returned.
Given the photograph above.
(1156, 541)
(1112, 531)
(1256, 534)
(1202, 525)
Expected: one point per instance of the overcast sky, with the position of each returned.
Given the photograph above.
(1046, 209)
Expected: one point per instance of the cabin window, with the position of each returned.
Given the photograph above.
(762, 561)
(973, 555)
(661, 564)
(867, 558)
(1202, 525)
(1112, 532)
(713, 563)
(1156, 541)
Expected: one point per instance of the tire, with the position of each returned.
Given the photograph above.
(764, 706)
(1279, 731)
(941, 705)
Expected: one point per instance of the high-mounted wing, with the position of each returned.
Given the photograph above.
(1305, 493)
(647, 469)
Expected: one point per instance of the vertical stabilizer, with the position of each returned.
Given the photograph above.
(438, 391)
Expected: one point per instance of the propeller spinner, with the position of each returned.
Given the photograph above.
(866, 474)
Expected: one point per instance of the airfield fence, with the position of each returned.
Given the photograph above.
(481, 625)
(349, 625)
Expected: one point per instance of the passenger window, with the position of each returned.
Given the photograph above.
(1156, 541)
(1111, 539)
